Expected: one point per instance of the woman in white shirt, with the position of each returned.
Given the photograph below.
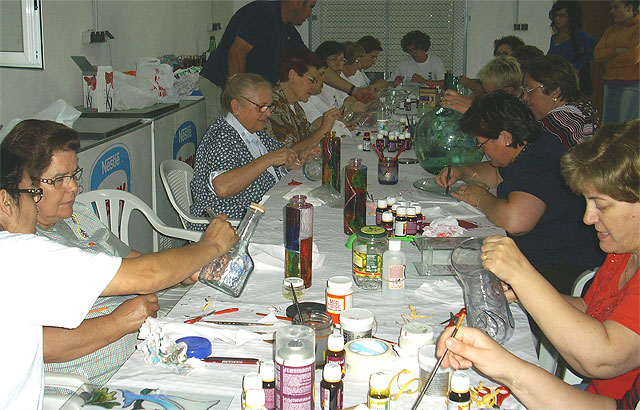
(419, 67)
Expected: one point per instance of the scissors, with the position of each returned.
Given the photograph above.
(452, 318)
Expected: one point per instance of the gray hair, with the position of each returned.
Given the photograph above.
(238, 85)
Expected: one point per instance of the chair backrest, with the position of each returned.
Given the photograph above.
(176, 177)
(113, 207)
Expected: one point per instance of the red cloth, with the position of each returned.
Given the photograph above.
(606, 302)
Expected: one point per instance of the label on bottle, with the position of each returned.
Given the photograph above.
(367, 265)
(338, 360)
(396, 277)
(455, 405)
(295, 386)
(375, 403)
(338, 303)
(400, 228)
(330, 399)
(270, 398)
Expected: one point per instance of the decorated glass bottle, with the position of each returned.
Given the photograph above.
(298, 245)
(229, 273)
(355, 196)
(331, 161)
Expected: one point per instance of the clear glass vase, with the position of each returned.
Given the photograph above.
(229, 273)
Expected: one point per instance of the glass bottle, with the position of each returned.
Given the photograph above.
(355, 196)
(229, 273)
(366, 257)
(331, 160)
(298, 228)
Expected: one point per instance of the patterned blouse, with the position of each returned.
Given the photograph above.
(288, 122)
(223, 149)
(572, 122)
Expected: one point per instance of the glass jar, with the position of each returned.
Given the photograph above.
(368, 247)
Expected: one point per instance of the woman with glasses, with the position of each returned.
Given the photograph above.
(532, 202)
(552, 93)
(299, 74)
(332, 53)
(63, 282)
(107, 338)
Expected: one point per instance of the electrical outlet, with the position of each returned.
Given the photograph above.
(517, 27)
(91, 36)
(524, 27)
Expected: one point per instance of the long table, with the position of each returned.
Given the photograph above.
(437, 295)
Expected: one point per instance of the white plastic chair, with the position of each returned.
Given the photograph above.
(121, 204)
(72, 382)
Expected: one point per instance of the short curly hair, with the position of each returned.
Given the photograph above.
(608, 162)
(512, 41)
(329, 48)
(554, 72)
(418, 39)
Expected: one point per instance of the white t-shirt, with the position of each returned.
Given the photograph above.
(432, 69)
(45, 284)
(315, 108)
(333, 97)
(359, 79)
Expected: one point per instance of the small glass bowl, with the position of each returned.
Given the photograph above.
(298, 287)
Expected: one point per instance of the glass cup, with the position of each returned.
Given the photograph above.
(322, 324)
(312, 169)
(388, 171)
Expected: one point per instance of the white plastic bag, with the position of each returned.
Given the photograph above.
(132, 92)
(59, 111)
(162, 77)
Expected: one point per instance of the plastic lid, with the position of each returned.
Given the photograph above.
(252, 381)
(395, 245)
(382, 203)
(335, 342)
(391, 200)
(460, 382)
(332, 372)
(254, 398)
(419, 332)
(380, 136)
(267, 371)
(403, 203)
(356, 319)
(402, 210)
(387, 216)
(418, 208)
(198, 347)
(340, 283)
(297, 282)
(411, 211)
(379, 381)
(403, 136)
(372, 231)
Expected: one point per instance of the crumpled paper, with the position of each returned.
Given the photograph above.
(303, 190)
(444, 228)
(271, 257)
(441, 292)
(162, 351)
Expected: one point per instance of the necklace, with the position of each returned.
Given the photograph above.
(521, 151)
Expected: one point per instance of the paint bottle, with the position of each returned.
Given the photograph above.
(295, 367)
(380, 142)
(339, 296)
(419, 217)
(331, 387)
(250, 381)
(335, 352)
(412, 221)
(392, 146)
(366, 142)
(387, 222)
(459, 397)
(255, 400)
(379, 396)
(393, 271)
(400, 224)
(267, 373)
(298, 228)
(380, 208)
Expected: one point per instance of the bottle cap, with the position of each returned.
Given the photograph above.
(356, 319)
(254, 399)
(267, 371)
(382, 203)
(401, 210)
(387, 216)
(198, 347)
(372, 231)
(460, 382)
(332, 372)
(380, 136)
(379, 381)
(403, 203)
(335, 342)
(391, 200)
(418, 209)
(340, 283)
(395, 245)
(251, 381)
(411, 211)
(297, 282)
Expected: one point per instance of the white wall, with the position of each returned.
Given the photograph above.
(492, 19)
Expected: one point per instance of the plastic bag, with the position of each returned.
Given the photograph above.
(59, 111)
(162, 77)
(132, 92)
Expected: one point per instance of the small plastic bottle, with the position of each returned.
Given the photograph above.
(331, 387)
(412, 221)
(394, 211)
(407, 140)
(255, 400)
(378, 397)
(251, 381)
(419, 217)
(391, 200)
(402, 141)
(407, 104)
(400, 224)
(393, 139)
(380, 142)
(459, 397)
(393, 271)
(366, 142)
(268, 375)
(387, 222)
(380, 208)
(335, 352)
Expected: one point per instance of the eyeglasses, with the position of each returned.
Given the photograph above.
(261, 107)
(63, 180)
(36, 193)
(313, 81)
(337, 60)
(524, 90)
(480, 145)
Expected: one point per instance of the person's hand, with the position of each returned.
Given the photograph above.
(363, 94)
(473, 347)
(468, 193)
(509, 293)
(132, 313)
(284, 157)
(397, 81)
(501, 255)
(219, 234)
(455, 101)
(379, 85)
(328, 119)
(417, 78)
(441, 178)
(311, 152)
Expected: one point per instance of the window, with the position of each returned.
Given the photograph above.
(21, 34)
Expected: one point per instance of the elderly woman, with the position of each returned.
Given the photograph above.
(552, 93)
(299, 75)
(619, 49)
(353, 53)
(420, 66)
(101, 344)
(532, 202)
(570, 42)
(501, 73)
(598, 335)
(73, 276)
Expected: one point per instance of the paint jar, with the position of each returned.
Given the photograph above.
(413, 336)
(339, 296)
(387, 171)
(427, 359)
(322, 324)
(295, 367)
(356, 323)
(298, 288)
(366, 257)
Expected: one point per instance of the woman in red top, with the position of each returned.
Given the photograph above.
(598, 336)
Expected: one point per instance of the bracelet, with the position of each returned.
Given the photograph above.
(480, 197)
(353, 87)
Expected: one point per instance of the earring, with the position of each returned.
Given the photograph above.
(6, 203)
(555, 99)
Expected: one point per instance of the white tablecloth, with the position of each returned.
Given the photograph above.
(438, 296)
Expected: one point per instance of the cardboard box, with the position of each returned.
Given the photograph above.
(428, 96)
(97, 85)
